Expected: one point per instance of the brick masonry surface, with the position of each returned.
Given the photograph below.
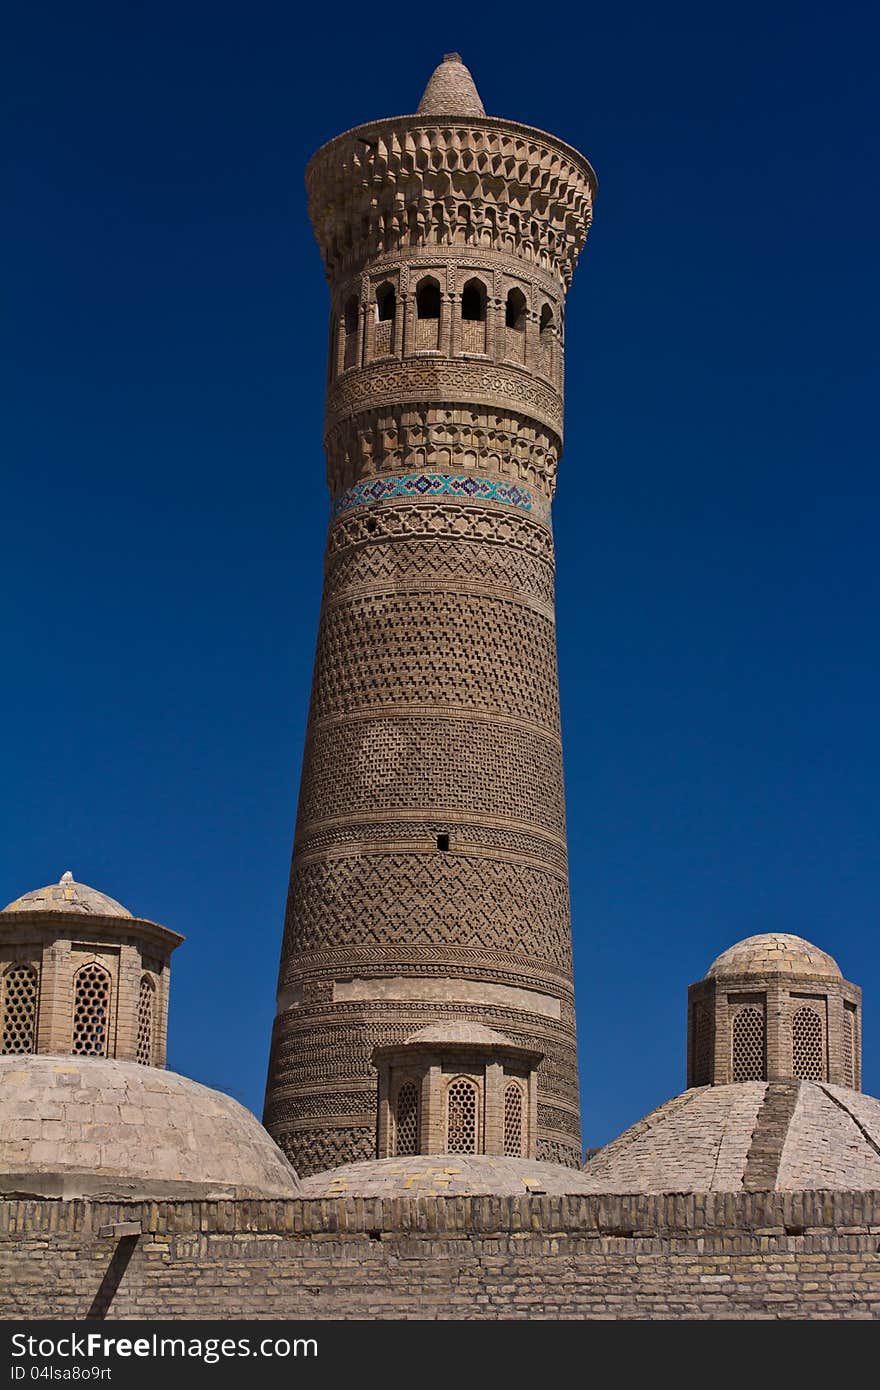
(430, 836)
(746, 1255)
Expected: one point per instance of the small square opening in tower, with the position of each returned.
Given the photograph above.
(443, 842)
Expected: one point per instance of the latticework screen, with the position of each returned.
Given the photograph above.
(407, 1119)
(91, 1011)
(461, 1117)
(701, 1045)
(808, 1045)
(747, 1061)
(18, 999)
(146, 1010)
(513, 1120)
(850, 1046)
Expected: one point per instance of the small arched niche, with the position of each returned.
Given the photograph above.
(515, 317)
(473, 317)
(428, 300)
(384, 319)
(547, 341)
(349, 332)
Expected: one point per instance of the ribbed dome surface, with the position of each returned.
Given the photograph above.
(750, 1136)
(774, 953)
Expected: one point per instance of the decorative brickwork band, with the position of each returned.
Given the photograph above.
(429, 850)
(422, 485)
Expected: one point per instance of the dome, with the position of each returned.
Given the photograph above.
(774, 953)
(451, 91)
(464, 1033)
(68, 896)
(749, 1136)
(91, 1127)
(445, 1175)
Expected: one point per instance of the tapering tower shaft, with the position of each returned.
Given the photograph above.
(429, 878)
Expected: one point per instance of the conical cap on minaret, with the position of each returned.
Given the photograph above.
(451, 91)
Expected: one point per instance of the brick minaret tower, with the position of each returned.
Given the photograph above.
(429, 883)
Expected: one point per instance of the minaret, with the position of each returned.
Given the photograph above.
(429, 884)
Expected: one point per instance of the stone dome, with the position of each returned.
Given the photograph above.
(445, 1175)
(454, 1032)
(748, 1136)
(68, 896)
(774, 953)
(90, 1127)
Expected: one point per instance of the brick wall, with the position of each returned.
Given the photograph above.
(792, 1255)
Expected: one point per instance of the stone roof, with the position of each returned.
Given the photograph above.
(466, 1032)
(774, 953)
(74, 1127)
(750, 1136)
(445, 1175)
(451, 91)
(68, 896)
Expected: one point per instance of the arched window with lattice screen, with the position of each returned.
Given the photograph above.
(807, 1045)
(513, 1120)
(406, 1119)
(747, 1044)
(18, 1006)
(146, 1014)
(850, 1046)
(461, 1117)
(91, 1011)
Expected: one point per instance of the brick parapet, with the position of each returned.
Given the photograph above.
(723, 1255)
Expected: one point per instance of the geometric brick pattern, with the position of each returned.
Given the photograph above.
(417, 438)
(430, 836)
(317, 1147)
(440, 520)
(561, 1121)
(357, 210)
(429, 898)
(488, 770)
(387, 384)
(433, 561)
(494, 654)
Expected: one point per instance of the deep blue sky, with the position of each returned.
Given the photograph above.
(163, 369)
